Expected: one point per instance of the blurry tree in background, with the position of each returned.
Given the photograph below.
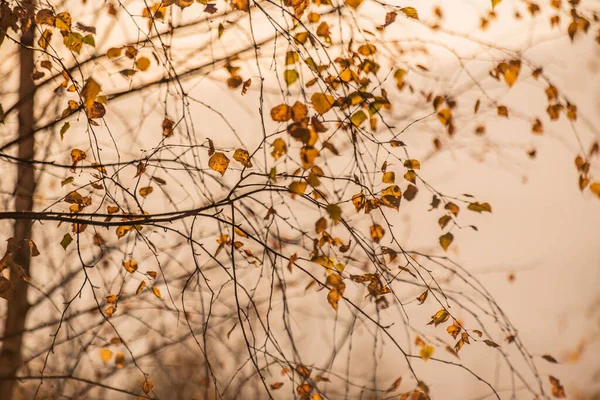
(203, 199)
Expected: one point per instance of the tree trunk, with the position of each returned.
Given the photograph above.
(10, 354)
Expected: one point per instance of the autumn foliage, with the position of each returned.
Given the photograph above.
(219, 189)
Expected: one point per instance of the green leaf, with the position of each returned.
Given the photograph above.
(66, 241)
(89, 40)
(290, 76)
(64, 130)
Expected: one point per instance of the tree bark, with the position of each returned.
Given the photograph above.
(18, 306)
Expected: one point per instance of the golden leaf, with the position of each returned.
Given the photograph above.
(353, 3)
(219, 162)
(105, 355)
(243, 157)
(142, 63)
(322, 102)
(359, 201)
(63, 21)
(111, 298)
(90, 91)
(480, 207)
(320, 225)
(439, 317)
(427, 352)
(130, 266)
(145, 191)
(377, 232)
(410, 12)
(389, 177)
(77, 155)
(110, 310)
(156, 292)
(595, 188)
(147, 386)
(445, 116)
(297, 187)
(140, 287)
(412, 164)
(308, 154)
(446, 240)
(45, 38)
(114, 52)
(423, 296)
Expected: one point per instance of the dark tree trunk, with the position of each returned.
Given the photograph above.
(10, 354)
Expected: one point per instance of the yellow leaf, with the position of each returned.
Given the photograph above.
(279, 148)
(77, 155)
(156, 292)
(140, 287)
(358, 117)
(63, 21)
(427, 352)
(377, 232)
(359, 201)
(412, 164)
(297, 187)
(147, 386)
(110, 310)
(281, 113)
(453, 330)
(145, 191)
(90, 91)
(445, 116)
(105, 355)
(308, 154)
(122, 230)
(446, 240)
(243, 157)
(439, 317)
(595, 188)
(219, 162)
(326, 262)
(45, 38)
(142, 63)
(495, 3)
(367, 50)
(480, 207)
(130, 266)
(410, 12)
(353, 3)
(322, 102)
(114, 52)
